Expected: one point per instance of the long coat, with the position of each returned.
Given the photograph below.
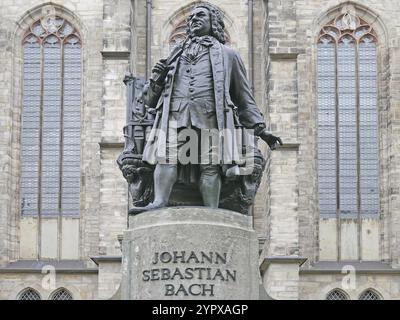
(234, 103)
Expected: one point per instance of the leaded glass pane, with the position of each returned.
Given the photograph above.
(30, 294)
(347, 93)
(30, 134)
(66, 30)
(368, 129)
(38, 29)
(357, 114)
(51, 126)
(71, 144)
(62, 294)
(362, 31)
(369, 295)
(336, 295)
(326, 128)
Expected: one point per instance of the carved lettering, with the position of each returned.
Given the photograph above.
(200, 274)
(155, 261)
(193, 258)
(165, 257)
(210, 290)
(181, 289)
(189, 273)
(177, 273)
(169, 290)
(179, 258)
(209, 257)
(218, 275)
(193, 290)
(231, 275)
(220, 258)
(165, 274)
(146, 276)
(155, 274)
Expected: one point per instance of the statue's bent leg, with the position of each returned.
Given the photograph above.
(210, 184)
(165, 176)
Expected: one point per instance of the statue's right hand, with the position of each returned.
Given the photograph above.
(160, 70)
(161, 67)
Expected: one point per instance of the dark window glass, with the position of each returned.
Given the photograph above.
(29, 294)
(50, 138)
(347, 118)
(369, 295)
(336, 294)
(61, 294)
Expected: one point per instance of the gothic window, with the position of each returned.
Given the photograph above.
(61, 294)
(29, 294)
(337, 294)
(369, 295)
(50, 136)
(347, 118)
(179, 34)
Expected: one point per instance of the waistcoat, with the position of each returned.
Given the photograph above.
(192, 99)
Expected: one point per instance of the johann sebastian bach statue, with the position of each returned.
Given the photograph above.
(201, 108)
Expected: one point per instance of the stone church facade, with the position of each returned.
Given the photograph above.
(326, 75)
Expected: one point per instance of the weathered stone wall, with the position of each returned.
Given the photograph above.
(281, 281)
(286, 209)
(311, 16)
(109, 279)
(16, 17)
(82, 286)
(292, 28)
(116, 63)
(317, 286)
(281, 76)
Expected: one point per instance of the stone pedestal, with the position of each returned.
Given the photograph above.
(190, 253)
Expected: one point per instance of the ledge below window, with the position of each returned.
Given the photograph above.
(43, 266)
(343, 267)
(100, 259)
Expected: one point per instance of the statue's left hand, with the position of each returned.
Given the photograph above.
(270, 139)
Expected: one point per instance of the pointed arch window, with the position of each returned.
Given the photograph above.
(347, 118)
(337, 294)
(50, 134)
(61, 294)
(370, 294)
(29, 294)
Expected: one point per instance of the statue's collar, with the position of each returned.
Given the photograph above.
(203, 40)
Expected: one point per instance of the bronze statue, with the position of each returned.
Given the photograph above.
(201, 86)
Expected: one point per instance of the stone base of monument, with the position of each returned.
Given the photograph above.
(188, 253)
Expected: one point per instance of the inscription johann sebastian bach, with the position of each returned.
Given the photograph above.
(204, 267)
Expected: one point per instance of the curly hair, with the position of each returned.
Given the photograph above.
(217, 21)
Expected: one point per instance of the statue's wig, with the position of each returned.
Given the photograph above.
(217, 21)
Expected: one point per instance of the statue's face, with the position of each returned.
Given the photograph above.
(200, 22)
